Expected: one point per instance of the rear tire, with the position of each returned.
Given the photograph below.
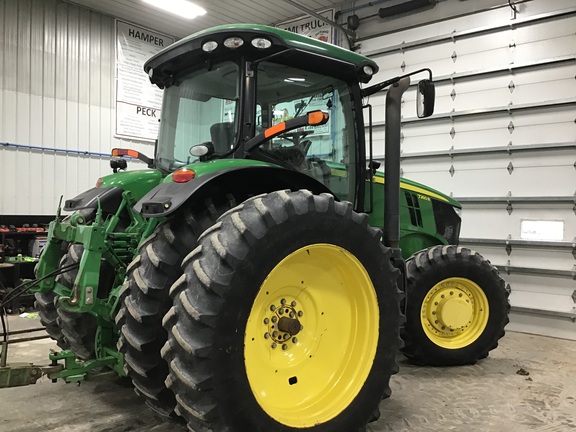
(457, 307)
(146, 298)
(288, 255)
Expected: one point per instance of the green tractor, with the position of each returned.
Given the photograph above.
(242, 281)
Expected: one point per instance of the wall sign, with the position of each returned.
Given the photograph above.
(138, 102)
(311, 26)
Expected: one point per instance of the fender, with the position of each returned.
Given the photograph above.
(168, 197)
(110, 199)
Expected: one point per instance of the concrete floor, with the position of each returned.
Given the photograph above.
(490, 396)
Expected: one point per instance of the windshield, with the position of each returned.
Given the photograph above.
(327, 152)
(199, 107)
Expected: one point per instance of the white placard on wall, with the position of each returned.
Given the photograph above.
(311, 26)
(138, 102)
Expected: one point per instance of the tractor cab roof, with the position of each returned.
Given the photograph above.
(211, 46)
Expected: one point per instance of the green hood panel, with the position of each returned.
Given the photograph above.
(138, 182)
(420, 189)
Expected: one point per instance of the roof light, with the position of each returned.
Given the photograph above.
(209, 46)
(233, 42)
(261, 43)
(98, 182)
(183, 175)
(182, 8)
(368, 70)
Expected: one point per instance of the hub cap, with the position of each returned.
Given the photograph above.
(454, 313)
(311, 336)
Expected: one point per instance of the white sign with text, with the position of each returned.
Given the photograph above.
(311, 26)
(138, 102)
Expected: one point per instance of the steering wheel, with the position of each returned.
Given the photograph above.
(295, 137)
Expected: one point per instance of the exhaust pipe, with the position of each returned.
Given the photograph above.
(392, 163)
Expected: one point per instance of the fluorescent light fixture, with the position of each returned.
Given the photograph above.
(182, 8)
(297, 79)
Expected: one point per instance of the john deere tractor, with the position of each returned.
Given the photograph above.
(256, 276)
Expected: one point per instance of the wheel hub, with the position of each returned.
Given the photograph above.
(450, 309)
(289, 325)
(282, 324)
(454, 312)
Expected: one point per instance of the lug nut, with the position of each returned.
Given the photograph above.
(300, 313)
(292, 315)
(273, 345)
(294, 340)
(266, 335)
(272, 308)
(284, 347)
(280, 311)
(274, 319)
(275, 334)
(293, 304)
(283, 301)
(266, 320)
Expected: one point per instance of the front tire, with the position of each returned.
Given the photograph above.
(457, 307)
(46, 307)
(286, 319)
(78, 329)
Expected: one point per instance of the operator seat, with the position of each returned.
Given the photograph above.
(222, 135)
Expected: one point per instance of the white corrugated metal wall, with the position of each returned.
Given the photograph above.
(57, 92)
(503, 137)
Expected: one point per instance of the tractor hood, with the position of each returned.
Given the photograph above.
(420, 189)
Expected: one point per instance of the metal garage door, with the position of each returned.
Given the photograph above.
(502, 141)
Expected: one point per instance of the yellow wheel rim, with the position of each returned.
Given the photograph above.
(454, 313)
(311, 336)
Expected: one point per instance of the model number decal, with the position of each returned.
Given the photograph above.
(423, 197)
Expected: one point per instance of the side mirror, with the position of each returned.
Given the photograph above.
(425, 98)
(202, 151)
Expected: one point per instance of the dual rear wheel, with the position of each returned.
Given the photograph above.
(286, 317)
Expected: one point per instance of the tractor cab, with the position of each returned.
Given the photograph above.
(225, 86)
